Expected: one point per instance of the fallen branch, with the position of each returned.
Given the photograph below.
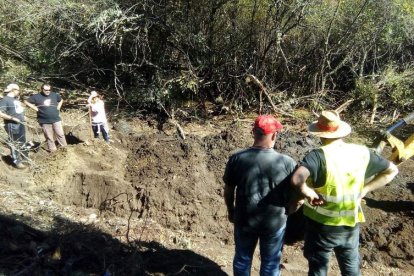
(264, 91)
(343, 106)
(174, 122)
(374, 109)
(17, 148)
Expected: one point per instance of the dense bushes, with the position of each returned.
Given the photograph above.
(149, 51)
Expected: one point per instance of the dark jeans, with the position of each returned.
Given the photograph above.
(320, 244)
(17, 140)
(102, 128)
(270, 251)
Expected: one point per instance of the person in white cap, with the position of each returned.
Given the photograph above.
(12, 111)
(98, 116)
(47, 104)
(332, 180)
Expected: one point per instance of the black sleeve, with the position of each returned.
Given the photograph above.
(58, 97)
(228, 172)
(315, 162)
(376, 164)
(32, 100)
(3, 105)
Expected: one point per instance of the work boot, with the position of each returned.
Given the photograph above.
(20, 166)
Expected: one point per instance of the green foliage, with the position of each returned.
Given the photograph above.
(366, 92)
(400, 87)
(14, 72)
(390, 90)
(152, 52)
(112, 26)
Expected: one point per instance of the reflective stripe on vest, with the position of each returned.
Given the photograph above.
(342, 198)
(333, 214)
(345, 174)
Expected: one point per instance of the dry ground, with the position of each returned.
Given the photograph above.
(151, 203)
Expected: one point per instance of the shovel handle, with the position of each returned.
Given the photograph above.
(398, 124)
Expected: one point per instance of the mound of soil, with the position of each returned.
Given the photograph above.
(387, 235)
(155, 200)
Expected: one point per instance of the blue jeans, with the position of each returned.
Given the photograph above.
(17, 140)
(270, 251)
(100, 128)
(319, 246)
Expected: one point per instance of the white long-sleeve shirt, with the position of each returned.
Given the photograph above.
(98, 111)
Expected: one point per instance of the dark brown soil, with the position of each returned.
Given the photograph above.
(151, 203)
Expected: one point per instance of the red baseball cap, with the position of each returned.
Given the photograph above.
(267, 124)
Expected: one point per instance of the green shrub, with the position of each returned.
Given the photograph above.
(14, 72)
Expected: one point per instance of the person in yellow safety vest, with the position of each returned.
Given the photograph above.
(332, 180)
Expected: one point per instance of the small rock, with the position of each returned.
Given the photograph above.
(92, 218)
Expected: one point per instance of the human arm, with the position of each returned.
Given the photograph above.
(380, 180)
(4, 110)
(32, 106)
(8, 117)
(229, 190)
(89, 101)
(59, 105)
(298, 181)
(93, 95)
(229, 200)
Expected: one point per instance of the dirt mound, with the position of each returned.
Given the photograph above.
(180, 180)
(161, 196)
(179, 197)
(387, 235)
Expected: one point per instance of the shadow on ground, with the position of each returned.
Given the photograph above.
(72, 139)
(75, 249)
(295, 227)
(392, 206)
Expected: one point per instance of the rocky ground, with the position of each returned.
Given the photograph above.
(150, 203)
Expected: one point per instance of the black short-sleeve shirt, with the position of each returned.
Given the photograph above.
(47, 105)
(12, 106)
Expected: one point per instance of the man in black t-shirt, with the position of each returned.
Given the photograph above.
(11, 111)
(332, 179)
(258, 176)
(47, 105)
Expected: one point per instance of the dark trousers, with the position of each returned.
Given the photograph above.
(320, 244)
(17, 140)
(100, 128)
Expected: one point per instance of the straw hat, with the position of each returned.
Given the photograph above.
(329, 125)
